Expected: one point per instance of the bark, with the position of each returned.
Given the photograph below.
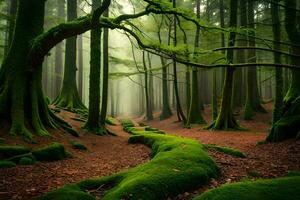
(21, 96)
(149, 115)
(253, 102)
(80, 67)
(225, 119)
(12, 10)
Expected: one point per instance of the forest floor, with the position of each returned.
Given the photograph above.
(109, 154)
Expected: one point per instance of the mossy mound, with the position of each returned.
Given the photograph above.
(177, 165)
(69, 192)
(111, 121)
(287, 188)
(27, 161)
(17, 159)
(10, 151)
(127, 123)
(151, 129)
(6, 164)
(142, 130)
(52, 152)
(227, 150)
(2, 141)
(77, 145)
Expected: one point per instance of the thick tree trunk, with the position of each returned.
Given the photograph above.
(225, 119)
(21, 96)
(69, 97)
(288, 125)
(253, 102)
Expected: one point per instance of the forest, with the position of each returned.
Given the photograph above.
(149, 99)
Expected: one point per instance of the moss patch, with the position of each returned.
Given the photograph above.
(17, 159)
(6, 164)
(77, 145)
(177, 165)
(286, 188)
(127, 123)
(227, 150)
(10, 151)
(2, 141)
(52, 152)
(27, 161)
(111, 121)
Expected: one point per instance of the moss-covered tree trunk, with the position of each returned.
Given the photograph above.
(105, 73)
(194, 115)
(69, 97)
(225, 119)
(21, 96)
(93, 121)
(288, 125)
(149, 115)
(253, 102)
(278, 104)
(12, 10)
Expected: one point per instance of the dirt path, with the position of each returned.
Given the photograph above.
(105, 155)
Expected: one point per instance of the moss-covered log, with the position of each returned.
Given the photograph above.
(177, 165)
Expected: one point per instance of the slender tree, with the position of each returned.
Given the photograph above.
(225, 119)
(69, 97)
(253, 102)
(93, 121)
(149, 115)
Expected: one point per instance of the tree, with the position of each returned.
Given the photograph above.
(225, 119)
(93, 121)
(287, 126)
(149, 115)
(253, 99)
(194, 115)
(69, 97)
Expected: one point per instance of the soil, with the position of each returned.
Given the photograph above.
(108, 154)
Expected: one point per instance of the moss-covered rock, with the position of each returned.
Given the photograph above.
(52, 152)
(111, 121)
(27, 161)
(6, 164)
(287, 188)
(77, 145)
(177, 165)
(10, 151)
(227, 150)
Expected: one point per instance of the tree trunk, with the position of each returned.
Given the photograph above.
(253, 102)
(69, 96)
(225, 119)
(12, 11)
(21, 96)
(288, 125)
(105, 74)
(278, 104)
(93, 121)
(80, 67)
(149, 115)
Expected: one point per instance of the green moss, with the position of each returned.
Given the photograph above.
(286, 188)
(69, 192)
(227, 150)
(2, 141)
(151, 129)
(52, 152)
(127, 123)
(77, 145)
(10, 151)
(177, 165)
(17, 158)
(293, 173)
(6, 164)
(27, 161)
(111, 121)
